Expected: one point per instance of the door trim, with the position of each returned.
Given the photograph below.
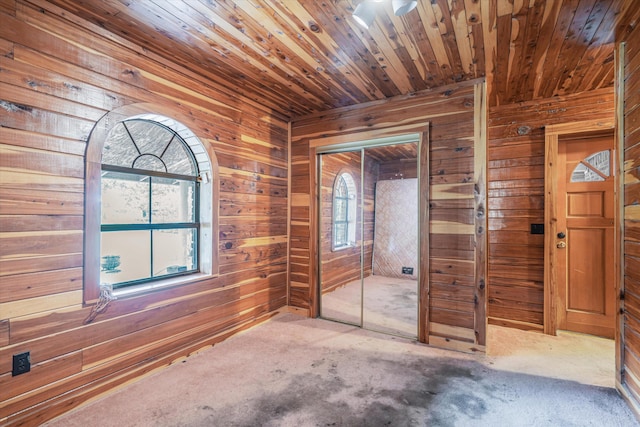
(552, 136)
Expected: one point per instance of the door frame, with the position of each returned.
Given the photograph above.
(361, 140)
(553, 133)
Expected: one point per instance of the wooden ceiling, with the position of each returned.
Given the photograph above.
(386, 153)
(302, 56)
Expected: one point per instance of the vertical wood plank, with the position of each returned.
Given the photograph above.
(314, 244)
(629, 147)
(480, 196)
(620, 230)
(424, 230)
(288, 280)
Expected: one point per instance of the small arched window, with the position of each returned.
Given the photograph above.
(344, 212)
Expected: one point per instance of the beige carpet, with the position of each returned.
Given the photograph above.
(390, 305)
(295, 371)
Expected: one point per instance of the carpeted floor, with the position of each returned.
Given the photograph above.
(295, 371)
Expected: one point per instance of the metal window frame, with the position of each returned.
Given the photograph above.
(195, 225)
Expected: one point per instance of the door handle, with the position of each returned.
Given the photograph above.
(561, 245)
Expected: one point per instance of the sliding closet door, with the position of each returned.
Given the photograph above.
(340, 236)
(390, 285)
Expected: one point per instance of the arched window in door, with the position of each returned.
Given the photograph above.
(596, 167)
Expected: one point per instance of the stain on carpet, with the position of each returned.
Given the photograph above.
(413, 393)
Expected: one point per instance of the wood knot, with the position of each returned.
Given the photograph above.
(314, 27)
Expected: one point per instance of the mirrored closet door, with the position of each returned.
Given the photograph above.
(368, 237)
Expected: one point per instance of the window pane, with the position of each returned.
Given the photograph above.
(340, 236)
(596, 162)
(174, 251)
(600, 161)
(341, 188)
(340, 210)
(172, 200)
(149, 136)
(119, 149)
(125, 198)
(583, 173)
(178, 160)
(125, 256)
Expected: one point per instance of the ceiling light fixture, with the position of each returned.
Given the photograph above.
(400, 7)
(365, 13)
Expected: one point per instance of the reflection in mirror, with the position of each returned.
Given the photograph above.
(390, 290)
(340, 237)
(369, 238)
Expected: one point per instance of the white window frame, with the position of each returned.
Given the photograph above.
(352, 211)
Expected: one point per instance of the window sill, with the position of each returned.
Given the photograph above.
(342, 248)
(160, 284)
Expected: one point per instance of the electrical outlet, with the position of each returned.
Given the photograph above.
(407, 270)
(21, 363)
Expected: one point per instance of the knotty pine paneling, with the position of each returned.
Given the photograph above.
(630, 369)
(306, 56)
(58, 76)
(516, 200)
(451, 113)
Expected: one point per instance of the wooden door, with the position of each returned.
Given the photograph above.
(585, 236)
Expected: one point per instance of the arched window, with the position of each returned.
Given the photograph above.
(344, 212)
(150, 205)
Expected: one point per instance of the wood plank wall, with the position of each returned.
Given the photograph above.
(398, 169)
(516, 200)
(451, 113)
(631, 238)
(58, 76)
(343, 266)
